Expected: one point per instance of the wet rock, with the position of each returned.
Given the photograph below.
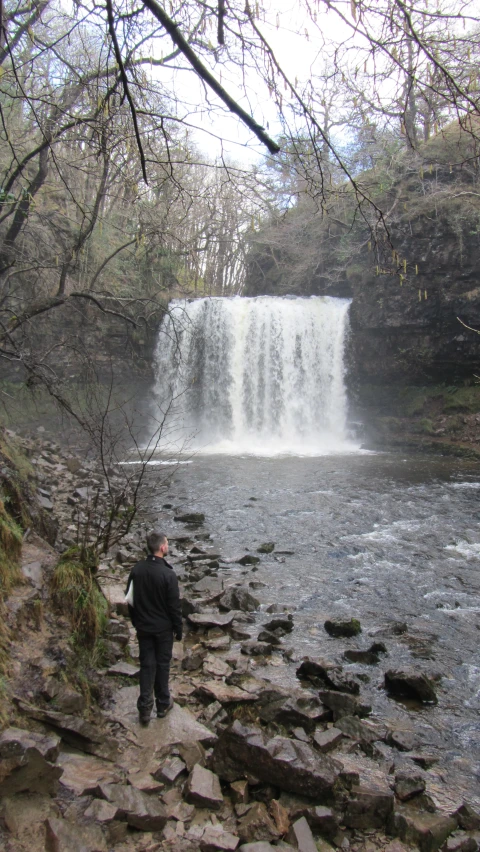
(118, 631)
(259, 846)
(460, 842)
(138, 809)
(100, 811)
(238, 633)
(192, 753)
(256, 649)
(266, 547)
(248, 559)
(288, 764)
(427, 831)
(74, 731)
(342, 704)
(68, 700)
(280, 816)
(219, 643)
(82, 773)
(211, 619)
(290, 711)
(215, 839)
(239, 792)
(339, 627)
(144, 782)
(301, 837)
(239, 598)
(27, 762)
(191, 518)
(203, 789)
(370, 657)
(285, 624)
(269, 638)
(411, 684)
(62, 836)
(327, 675)
(369, 807)
(363, 732)
(170, 770)
(408, 785)
(326, 740)
(257, 824)
(323, 819)
(215, 666)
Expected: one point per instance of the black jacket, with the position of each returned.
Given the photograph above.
(156, 599)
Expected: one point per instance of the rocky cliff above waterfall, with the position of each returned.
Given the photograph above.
(411, 287)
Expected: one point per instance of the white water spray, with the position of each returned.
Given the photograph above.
(257, 375)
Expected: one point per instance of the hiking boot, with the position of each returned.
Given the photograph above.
(162, 712)
(144, 719)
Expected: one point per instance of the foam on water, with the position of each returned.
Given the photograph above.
(255, 376)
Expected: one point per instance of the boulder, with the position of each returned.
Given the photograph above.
(460, 842)
(170, 770)
(193, 660)
(402, 740)
(287, 764)
(74, 731)
(248, 559)
(256, 649)
(363, 732)
(410, 683)
(266, 547)
(468, 818)
(326, 740)
(291, 711)
(27, 762)
(215, 666)
(339, 627)
(203, 789)
(369, 657)
(138, 809)
(270, 638)
(63, 836)
(285, 624)
(239, 598)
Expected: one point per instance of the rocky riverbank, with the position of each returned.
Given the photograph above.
(240, 762)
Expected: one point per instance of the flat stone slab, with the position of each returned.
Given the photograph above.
(124, 669)
(223, 693)
(115, 595)
(83, 773)
(179, 726)
(211, 619)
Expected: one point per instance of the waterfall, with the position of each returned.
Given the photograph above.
(261, 375)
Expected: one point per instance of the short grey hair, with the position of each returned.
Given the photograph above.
(155, 541)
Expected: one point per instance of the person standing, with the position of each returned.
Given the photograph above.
(157, 617)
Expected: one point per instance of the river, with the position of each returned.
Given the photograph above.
(381, 537)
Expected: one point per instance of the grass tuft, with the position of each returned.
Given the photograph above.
(77, 595)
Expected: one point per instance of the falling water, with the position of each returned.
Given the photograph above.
(258, 375)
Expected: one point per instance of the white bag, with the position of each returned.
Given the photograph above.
(129, 595)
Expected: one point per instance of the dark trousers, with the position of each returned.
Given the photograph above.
(155, 656)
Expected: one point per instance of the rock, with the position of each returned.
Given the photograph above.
(27, 762)
(266, 547)
(301, 837)
(170, 770)
(139, 809)
(62, 836)
(44, 502)
(468, 818)
(124, 670)
(203, 789)
(68, 700)
(290, 711)
(215, 839)
(427, 831)
(256, 649)
(285, 624)
(280, 816)
(270, 638)
(369, 807)
(343, 705)
(192, 753)
(193, 660)
(408, 785)
(239, 598)
(76, 732)
(259, 846)
(100, 811)
(326, 674)
(219, 643)
(338, 627)
(322, 819)
(211, 619)
(248, 559)
(239, 792)
(326, 740)
(403, 740)
(118, 632)
(369, 657)
(460, 842)
(82, 773)
(215, 666)
(364, 732)
(411, 684)
(257, 824)
(144, 781)
(287, 764)
(191, 518)
(224, 694)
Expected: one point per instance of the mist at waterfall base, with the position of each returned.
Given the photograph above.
(259, 376)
